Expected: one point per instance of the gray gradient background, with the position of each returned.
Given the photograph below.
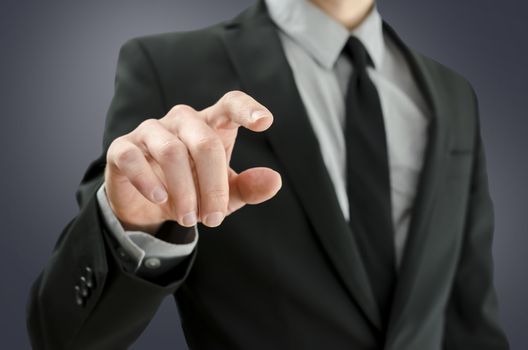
(56, 79)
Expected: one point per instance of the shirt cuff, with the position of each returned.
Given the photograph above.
(144, 253)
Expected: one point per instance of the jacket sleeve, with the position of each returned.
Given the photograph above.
(472, 320)
(85, 298)
(148, 256)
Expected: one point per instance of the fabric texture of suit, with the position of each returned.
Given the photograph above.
(239, 289)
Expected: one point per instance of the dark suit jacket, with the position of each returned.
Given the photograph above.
(285, 274)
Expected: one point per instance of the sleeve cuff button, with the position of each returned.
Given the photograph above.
(152, 263)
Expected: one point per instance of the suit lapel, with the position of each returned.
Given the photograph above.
(258, 58)
(255, 49)
(415, 255)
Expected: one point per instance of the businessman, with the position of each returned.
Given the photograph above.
(297, 178)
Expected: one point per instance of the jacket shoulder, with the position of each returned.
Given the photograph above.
(192, 41)
(185, 63)
(456, 98)
(451, 82)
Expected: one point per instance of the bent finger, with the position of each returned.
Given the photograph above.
(129, 161)
(235, 109)
(172, 156)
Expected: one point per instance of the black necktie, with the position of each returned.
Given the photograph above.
(368, 182)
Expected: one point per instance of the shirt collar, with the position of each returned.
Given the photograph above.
(321, 35)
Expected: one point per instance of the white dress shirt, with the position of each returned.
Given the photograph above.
(312, 42)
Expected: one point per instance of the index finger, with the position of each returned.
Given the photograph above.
(235, 109)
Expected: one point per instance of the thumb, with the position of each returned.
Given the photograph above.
(252, 186)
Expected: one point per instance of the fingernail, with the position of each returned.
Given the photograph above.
(214, 219)
(256, 115)
(159, 195)
(189, 219)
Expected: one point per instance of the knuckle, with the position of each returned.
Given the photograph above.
(148, 123)
(116, 143)
(138, 178)
(181, 109)
(171, 150)
(233, 96)
(146, 128)
(208, 144)
(126, 155)
(112, 148)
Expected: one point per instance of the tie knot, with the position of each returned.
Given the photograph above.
(357, 53)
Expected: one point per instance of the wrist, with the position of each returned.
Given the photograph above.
(132, 224)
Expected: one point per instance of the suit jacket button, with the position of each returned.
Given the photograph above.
(89, 275)
(79, 300)
(84, 289)
(153, 263)
(122, 254)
